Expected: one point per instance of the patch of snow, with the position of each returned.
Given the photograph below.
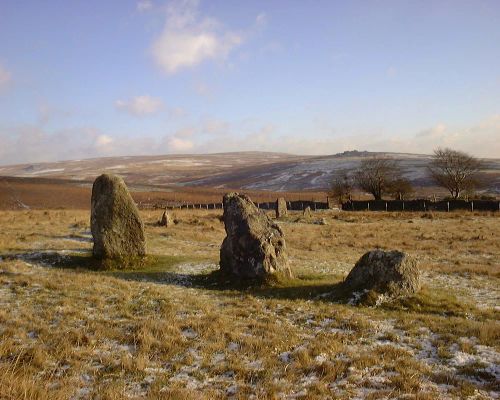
(232, 346)
(232, 390)
(286, 357)
(47, 171)
(189, 333)
(356, 297)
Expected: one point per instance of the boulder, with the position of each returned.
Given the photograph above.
(165, 220)
(393, 273)
(254, 247)
(281, 210)
(116, 225)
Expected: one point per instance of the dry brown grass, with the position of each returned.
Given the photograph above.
(162, 333)
(51, 193)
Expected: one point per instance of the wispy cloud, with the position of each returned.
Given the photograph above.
(261, 19)
(188, 38)
(179, 145)
(203, 89)
(32, 143)
(144, 5)
(5, 77)
(140, 105)
(47, 112)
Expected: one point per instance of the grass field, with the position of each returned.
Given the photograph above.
(174, 331)
(46, 193)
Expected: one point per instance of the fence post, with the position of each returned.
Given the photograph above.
(448, 205)
(368, 206)
(386, 206)
(472, 205)
(403, 205)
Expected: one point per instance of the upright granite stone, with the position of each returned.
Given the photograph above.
(165, 220)
(307, 212)
(387, 272)
(281, 210)
(254, 246)
(116, 226)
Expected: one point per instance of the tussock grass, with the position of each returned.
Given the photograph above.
(176, 329)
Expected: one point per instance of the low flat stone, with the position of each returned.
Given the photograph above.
(387, 272)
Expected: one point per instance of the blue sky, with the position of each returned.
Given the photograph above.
(99, 78)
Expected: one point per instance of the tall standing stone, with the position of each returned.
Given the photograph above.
(116, 225)
(307, 212)
(254, 246)
(165, 220)
(281, 210)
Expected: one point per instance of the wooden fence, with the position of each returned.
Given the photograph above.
(271, 205)
(422, 205)
(355, 205)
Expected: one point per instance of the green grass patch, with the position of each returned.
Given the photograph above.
(304, 286)
(427, 301)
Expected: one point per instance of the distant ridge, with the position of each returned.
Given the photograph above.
(246, 170)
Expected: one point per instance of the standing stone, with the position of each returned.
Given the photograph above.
(254, 246)
(281, 210)
(165, 220)
(307, 212)
(116, 225)
(389, 272)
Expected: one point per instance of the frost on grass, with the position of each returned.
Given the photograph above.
(81, 335)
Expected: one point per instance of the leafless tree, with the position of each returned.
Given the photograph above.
(342, 186)
(400, 188)
(375, 175)
(455, 170)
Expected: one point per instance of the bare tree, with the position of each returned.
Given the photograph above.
(342, 186)
(400, 188)
(455, 170)
(375, 175)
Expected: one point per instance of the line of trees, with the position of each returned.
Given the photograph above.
(380, 176)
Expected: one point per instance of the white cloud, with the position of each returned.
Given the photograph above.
(5, 77)
(144, 5)
(177, 112)
(216, 127)
(140, 105)
(481, 140)
(103, 140)
(189, 39)
(179, 145)
(32, 143)
(185, 132)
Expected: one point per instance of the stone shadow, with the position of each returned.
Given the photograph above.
(165, 270)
